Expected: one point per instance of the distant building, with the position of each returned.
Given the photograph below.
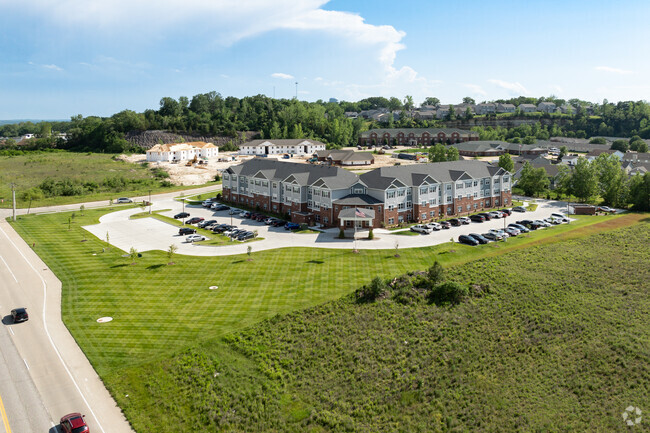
(505, 108)
(527, 108)
(546, 107)
(415, 136)
(297, 146)
(345, 157)
(334, 100)
(182, 151)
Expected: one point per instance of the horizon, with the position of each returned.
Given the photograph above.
(98, 62)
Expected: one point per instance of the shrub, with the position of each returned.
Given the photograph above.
(435, 274)
(450, 292)
(341, 234)
(374, 290)
(166, 183)
(371, 235)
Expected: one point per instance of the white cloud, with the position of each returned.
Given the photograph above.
(52, 67)
(476, 89)
(613, 70)
(515, 89)
(282, 76)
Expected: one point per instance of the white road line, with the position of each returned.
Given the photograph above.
(9, 269)
(25, 361)
(12, 331)
(47, 332)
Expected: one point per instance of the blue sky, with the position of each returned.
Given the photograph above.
(90, 57)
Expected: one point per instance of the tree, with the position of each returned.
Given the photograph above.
(171, 251)
(506, 162)
(452, 153)
(468, 100)
(133, 254)
(563, 151)
(451, 114)
(640, 192)
(533, 181)
(621, 145)
(639, 146)
(432, 101)
(249, 250)
(45, 130)
(437, 153)
(598, 140)
(435, 274)
(408, 102)
(584, 183)
(34, 193)
(612, 181)
(394, 104)
(469, 114)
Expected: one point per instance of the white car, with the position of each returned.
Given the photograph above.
(123, 200)
(495, 214)
(434, 226)
(207, 203)
(499, 232)
(420, 228)
(512, 231)
(561, 217)
(195, 238)
(543, 223)
(465, 220)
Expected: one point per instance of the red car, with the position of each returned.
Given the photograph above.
(74, 423)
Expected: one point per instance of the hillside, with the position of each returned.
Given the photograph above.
(557, 342)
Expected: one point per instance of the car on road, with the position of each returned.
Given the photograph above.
(219, 207)
(493, 236)
(186, 231)
(19, 315)
(468, 240)
(123, 200)
(292, 226)
(194, 220)
(268, 221)
(479, 238)
(455, 222)
(519, 209)
(512, 231)
(206, 223)
(477, 218)
(553, 221)
(522, 229)
(74, 423)
(465, 220)
(195, 238)
(245, 214)
(434, 226)
(421, 228)
(181, 215)
(445, 224)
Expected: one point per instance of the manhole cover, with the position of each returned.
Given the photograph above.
(213, 287)
(104, 319)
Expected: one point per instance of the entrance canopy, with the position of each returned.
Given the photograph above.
(356, 214)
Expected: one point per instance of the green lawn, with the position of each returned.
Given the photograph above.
(28, 171)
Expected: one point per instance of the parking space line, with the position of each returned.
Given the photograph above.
(9, 269)
(5, 420)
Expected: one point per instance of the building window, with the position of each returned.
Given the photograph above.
(450, 211)
(468, 208)
(317, 218)
(358, 190)
(475, 195)
(496, 202)
(506, 179)
(432, 189)
(505, 201)
(432, 214)
(409, 205)
(476, 183)
(448, 187)
(475, 206)
(390, 194)
(423, 190)
(449, 199)
(347, 223)
(468, 184)
(400, 206)
(423, 216)
(400, 218)
(326, 220)
(391, 221)
(459, 186)
(423, 203)
(401, 193)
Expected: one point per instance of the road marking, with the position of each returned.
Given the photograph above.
(25, 361)
(9, 269)
(5, 420)
(12, 331)
(47, 332)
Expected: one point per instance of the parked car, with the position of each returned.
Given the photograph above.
(542, 223)
(495, 214)
(468, 240)
(245, 236)
(522, 229)
(479, 238)
(455, 222)
(561, 217)
(74, 423)
(279, 223)
(19, 315)
(445, 224)
(499, 232)
(420, 228)
(269, 221)
(195, 238)
(207, 203)
(123, 200)
(519, 209)
(464, 220)
(606, 209)
(233, 211)
(513, 231)
(292, 226)
(219, 206)
(553, 221)
(194, 220)
(186, 231)
(181, 215)
(206, 223)
(434, 226)
(506, 211)
(245, 214)
(486, 215)
(529, 224)
(493, 236)
(477, 218)
(220, 228)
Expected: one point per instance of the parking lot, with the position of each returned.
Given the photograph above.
(147, 234)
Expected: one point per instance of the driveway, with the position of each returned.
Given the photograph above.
(148, 234)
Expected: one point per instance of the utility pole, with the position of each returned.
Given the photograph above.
(296, 90)
(13, 198)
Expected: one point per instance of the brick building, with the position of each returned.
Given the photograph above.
(415, 136)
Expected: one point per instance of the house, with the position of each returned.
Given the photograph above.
(345, 157)
(351, 114)
(296, 146)
(316, 194)
(505, 108)
(424, 114)
(527, 108)
(570, 160)
(442, 112)
(637, 157)
(546, 107)
(182, 151)
(480, 148)
(522, 149)
(552, 170)
(415, 136)
(593, 154)
(487, 108)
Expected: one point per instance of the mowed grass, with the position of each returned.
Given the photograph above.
(159, 308)
(28, 171)
(556, 341)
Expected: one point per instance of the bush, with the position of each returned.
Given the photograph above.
(435, 274)
(374, 290)
(371, 235)
(341, 234)
(450, 292)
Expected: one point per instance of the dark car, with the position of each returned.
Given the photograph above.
(194, 220)
(477, 218)
(479, 238)
(220, 228)
(74, 423)
(455, 222)
(292, 226)
(19, 315)
(206, 223)
(279, 223)
(519, 227)
(186, 231)
(529, 224)
(181, 215)
(220, 207)
(245, 236)
(486, 215)
(519, 209)
(445, 224)
(506, 211)
(468, 240)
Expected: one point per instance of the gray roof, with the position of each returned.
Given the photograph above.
(417, 131)
(281, 142)
(357, 200)
(480, 146)
(304, 174)
(345, 155)
(414, 175)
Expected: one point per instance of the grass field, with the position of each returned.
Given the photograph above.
(160, 310)
(28, 171)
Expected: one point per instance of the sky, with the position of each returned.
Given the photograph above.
(60, 58)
